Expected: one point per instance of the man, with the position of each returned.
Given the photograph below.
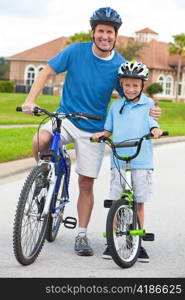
(91, 77)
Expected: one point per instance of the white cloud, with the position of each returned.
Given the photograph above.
(25, 24)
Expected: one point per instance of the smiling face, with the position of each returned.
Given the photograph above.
(104, 39)
(131, 87)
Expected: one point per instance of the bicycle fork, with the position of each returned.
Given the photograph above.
(52, 180)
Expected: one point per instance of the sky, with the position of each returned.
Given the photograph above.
(25, 24)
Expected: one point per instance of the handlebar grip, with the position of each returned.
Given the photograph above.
(92, 117)
(99, 140)
(18, 108)
(93, 141)
(165, 133)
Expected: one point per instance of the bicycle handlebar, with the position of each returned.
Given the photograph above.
(126, 144)
(80, 115)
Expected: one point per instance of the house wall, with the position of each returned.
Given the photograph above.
(18, 70)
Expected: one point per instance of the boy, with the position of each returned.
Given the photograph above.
(129, 118)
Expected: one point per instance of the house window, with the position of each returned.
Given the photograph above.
(168, 90)
(30, 76)
(161, 82)
(179, 88)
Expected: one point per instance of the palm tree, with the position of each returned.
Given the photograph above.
(178, 47)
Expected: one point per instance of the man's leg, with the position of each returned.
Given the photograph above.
(84, 207)
(41, 145)
(85, 200)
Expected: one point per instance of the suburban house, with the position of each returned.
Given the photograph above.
(25, 66)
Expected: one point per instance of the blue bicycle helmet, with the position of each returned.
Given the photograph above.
(107, 16)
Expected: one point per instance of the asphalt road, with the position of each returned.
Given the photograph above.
(164, 217)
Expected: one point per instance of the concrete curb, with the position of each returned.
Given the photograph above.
(12, 168)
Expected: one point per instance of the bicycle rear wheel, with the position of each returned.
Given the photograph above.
(29, 227)
(123, 247)
(56, 218)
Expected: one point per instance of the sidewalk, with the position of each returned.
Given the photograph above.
(23, 165)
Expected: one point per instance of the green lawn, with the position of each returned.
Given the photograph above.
(15, 143)
(9, 102)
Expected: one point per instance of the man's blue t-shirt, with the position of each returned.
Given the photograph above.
(88, 84)
(132, 123)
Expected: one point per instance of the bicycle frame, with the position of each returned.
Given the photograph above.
(129, 196)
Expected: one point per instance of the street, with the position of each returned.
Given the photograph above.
(164, 216)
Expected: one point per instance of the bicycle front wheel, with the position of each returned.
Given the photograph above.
(29, 228)
(123, 247)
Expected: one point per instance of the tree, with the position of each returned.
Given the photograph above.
(178, 47)
(80, 37)
(131, 51)
(154, 89)
(4, 67)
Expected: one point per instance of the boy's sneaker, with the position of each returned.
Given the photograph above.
(82, 246)
(143, 256)
(106, 254)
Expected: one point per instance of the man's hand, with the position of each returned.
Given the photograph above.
(155, 113)
(28, 107)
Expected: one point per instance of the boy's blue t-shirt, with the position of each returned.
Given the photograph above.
(89, 83)
(133, 123)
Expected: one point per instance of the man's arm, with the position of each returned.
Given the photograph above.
(37, 87)
(155, 113)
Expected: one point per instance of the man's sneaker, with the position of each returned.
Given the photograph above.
(82, 246)
(106, 254)
(143, 256)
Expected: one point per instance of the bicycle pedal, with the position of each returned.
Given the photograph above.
(148, 237)
(107, 203)
(70, 222)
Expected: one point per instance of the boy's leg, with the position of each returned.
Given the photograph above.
(140, 213)
(142, 186)
(116, 190)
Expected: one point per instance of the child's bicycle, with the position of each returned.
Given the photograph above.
(123, 230)
(40, 209)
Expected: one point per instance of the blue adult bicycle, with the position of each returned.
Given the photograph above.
(45, 193)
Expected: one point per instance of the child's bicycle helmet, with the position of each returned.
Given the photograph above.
(133, 69)
(107, 16)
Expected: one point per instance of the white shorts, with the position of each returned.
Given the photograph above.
(89, 155)
(141, 180)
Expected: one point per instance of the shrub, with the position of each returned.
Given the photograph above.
(154, 88)
(7, 86)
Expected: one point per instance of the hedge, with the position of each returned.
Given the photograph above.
(7, 86)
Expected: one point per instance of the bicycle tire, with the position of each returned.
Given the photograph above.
(55, 221)
(29, 228)
(124, 248)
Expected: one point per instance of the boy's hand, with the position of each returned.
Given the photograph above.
(156, 132)
(155, 113)
(96, 136)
